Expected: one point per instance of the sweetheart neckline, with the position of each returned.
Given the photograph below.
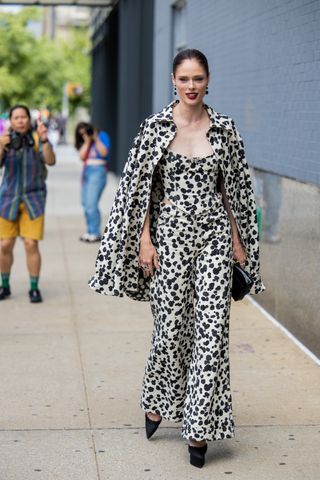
(189, 158)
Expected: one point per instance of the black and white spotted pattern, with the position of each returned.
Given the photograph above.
(190, 183)
(187, 374)
(117, 265)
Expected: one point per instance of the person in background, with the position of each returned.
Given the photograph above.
(53, 131)
(24, 155)
(94, 147)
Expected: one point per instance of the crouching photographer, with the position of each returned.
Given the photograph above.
(24, 154)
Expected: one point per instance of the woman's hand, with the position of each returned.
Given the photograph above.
(239, 253)
(86, 138)
(148, 257)
(4, 140)
(42, 131)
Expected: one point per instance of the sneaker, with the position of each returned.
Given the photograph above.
(4, 292)
(89, 238)
(84, 237)
(35, 296)
(273, 238)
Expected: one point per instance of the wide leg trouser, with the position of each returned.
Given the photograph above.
(187, 373)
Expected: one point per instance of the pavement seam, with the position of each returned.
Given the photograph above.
(76, 333)
(99, 429)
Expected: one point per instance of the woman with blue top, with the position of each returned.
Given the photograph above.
(94, 147)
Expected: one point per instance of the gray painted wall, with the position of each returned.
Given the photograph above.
(265, 61)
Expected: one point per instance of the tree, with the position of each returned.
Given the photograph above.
(34, 70)
(77, 65)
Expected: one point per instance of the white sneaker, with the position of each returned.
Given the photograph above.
(84, 237)
(89, 238)
(273, 238)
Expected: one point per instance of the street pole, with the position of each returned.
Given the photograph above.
(65, 109)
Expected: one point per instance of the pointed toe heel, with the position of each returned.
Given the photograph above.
(197, 455)
(151, 426)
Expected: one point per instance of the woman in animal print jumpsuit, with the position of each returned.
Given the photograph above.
(187, 373)
(198, 216)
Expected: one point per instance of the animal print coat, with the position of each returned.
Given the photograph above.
(117, 268)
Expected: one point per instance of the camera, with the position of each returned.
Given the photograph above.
(89, 131)
(18, 140)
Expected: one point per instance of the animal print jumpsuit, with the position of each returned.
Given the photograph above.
(187, 373)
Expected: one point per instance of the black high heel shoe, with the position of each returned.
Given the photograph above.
(197, 455)
(151, 426)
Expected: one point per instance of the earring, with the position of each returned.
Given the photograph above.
(207, 91)
(174, 91)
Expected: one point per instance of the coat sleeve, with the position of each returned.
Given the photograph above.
(109, 263)
(242, 202)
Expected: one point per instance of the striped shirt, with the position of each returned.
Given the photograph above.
(23, 181)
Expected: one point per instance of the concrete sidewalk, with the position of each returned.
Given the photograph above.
(71, 371)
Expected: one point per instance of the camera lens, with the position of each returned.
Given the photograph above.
(15, 140)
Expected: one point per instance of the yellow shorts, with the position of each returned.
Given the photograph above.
(23, 226)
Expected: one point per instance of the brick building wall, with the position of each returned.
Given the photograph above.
(265, 62)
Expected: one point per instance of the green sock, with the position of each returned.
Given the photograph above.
(5, 280)
(34, 283)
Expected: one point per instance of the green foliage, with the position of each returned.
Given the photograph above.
(77, 65)
(34, 70)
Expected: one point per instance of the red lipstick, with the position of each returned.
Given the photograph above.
(192, 96)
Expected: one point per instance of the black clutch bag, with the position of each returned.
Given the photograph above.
(241, 283)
